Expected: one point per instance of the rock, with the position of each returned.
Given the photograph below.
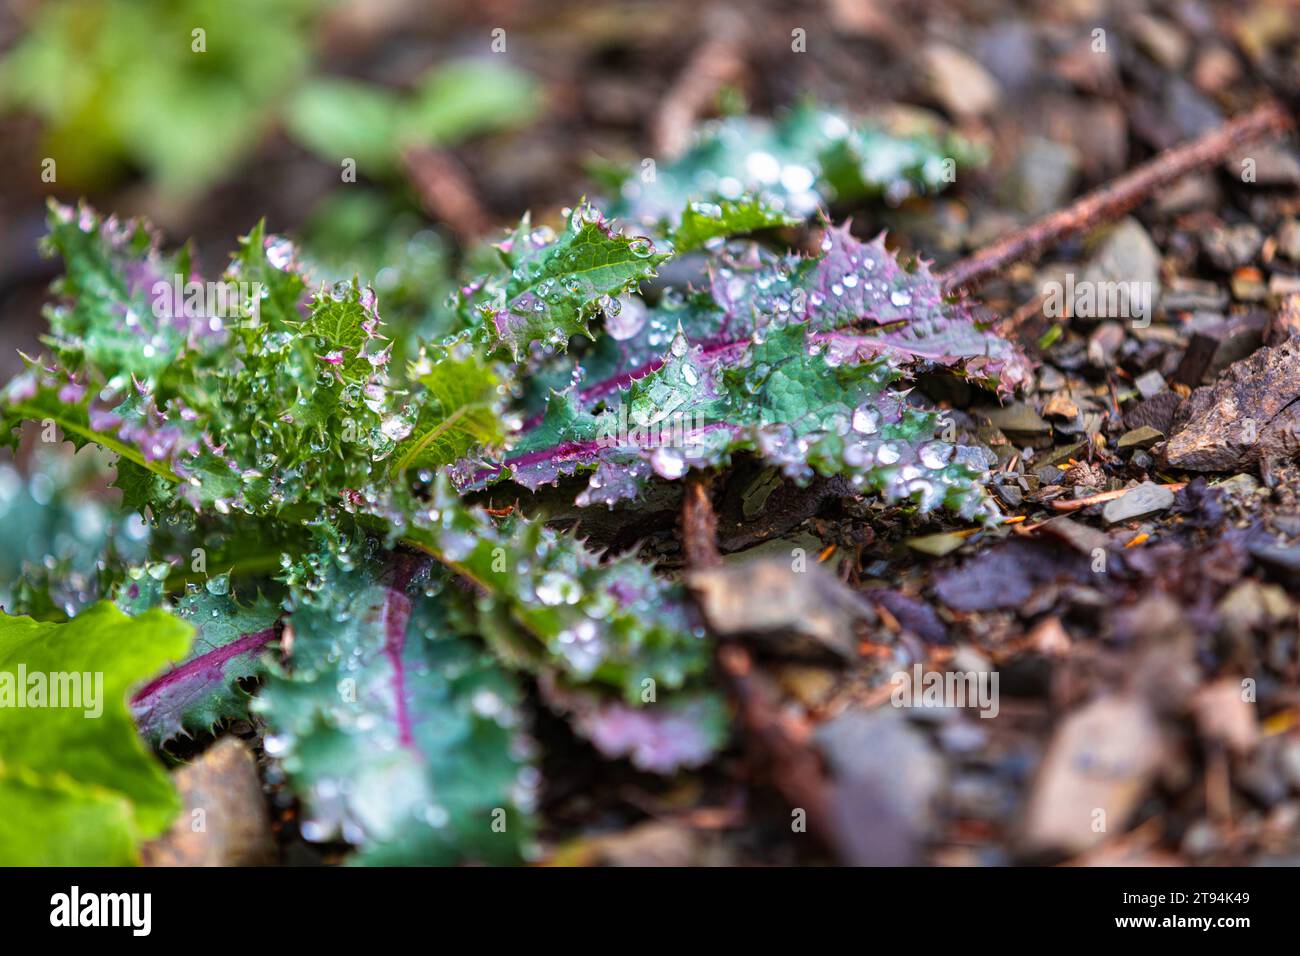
(1230, 247)
(1010, 495)
(1272, 165)
(1288, 239)
(1277, 556)
(1016, 419)
(1006, 576)
(1189, 295)
(1282, 286)
(1081, 537)
(1104, 344)
(1043, 176)
(1215, 69)
(768, 597)
(1143, 437)
(886, 781)
(1248, 413)
(1157, 412)
(1101, 762)
(1251, 606)
(1224, 716)
(1127, 254)
(1149, 383)
(958, 82)
(1190, 112)
(1160, 40)
(222, 792)
(1010, 48)
(1147, 498)
(1248, 285)
(1285, 322)
(1189, 194)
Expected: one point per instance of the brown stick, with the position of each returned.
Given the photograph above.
(699, 524)
(715, 63)
(1112, 200)
(445, 192)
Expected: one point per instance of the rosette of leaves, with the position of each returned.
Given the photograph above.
(617, 649)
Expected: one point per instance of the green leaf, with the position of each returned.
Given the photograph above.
(400, 736)
(803, 161)
(203, 690)
(339, 118)
(703, 222)
(77, 786)
(465, 98)
(556, 283)
(460, 408)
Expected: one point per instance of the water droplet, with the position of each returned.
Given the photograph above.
(866, 419)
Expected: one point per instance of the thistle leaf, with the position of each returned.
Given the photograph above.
(554, 284)
(400, 736)
(802, 162)
(203, 689)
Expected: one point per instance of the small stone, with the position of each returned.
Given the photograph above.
(1060, 406)
(1009, 495)
(1248, 285)
(1215, 69)
(1160, 40)
(1143, 437)
(1158, 411)
(1146, 499)
(1081, 537)
(1190, 295)
(1104, 344)
(936, 545)
(958, 82)
(1280, 286)
(1042, 177)
(1188, 194)
(1017, 419)
(1273, 165)
(1288, 240)
(1127, 254)
(1224, 716)
(1149, 384)
(1230, 247)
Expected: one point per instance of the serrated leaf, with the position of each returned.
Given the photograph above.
(203, 689)
(459, 410)
(703, 222)
(400, 736)
(77, 789)
(660, 738)
(801, 162)
(552, 285)
(548, 602)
